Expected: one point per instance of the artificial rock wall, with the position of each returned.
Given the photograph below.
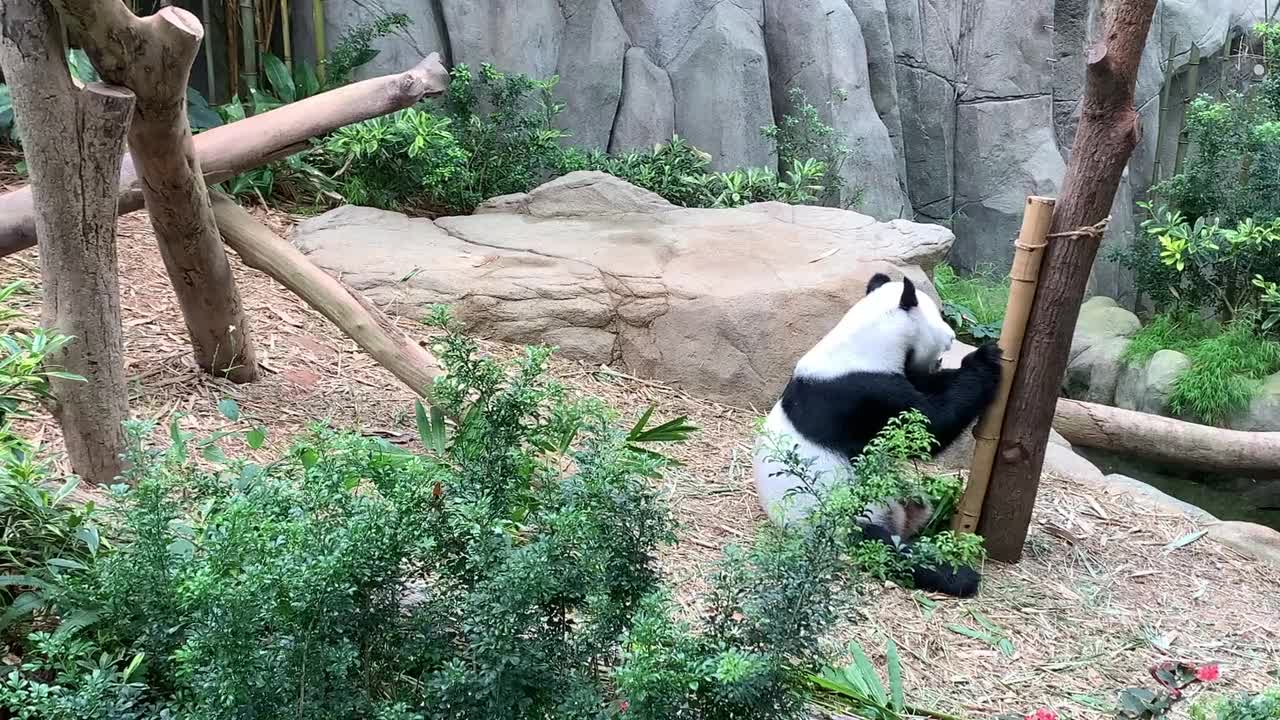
(956, 109)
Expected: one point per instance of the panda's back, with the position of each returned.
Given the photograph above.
(842, 414)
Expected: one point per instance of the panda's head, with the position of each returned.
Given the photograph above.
(892, 328)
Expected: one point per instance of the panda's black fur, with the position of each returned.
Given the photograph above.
(834, 412)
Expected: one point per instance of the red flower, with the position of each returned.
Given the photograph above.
(1207, 673)
(622, 706)
(1043, 714)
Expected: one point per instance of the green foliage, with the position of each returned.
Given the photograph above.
(802, 136)
(679, 172)
(1238, 706)
(856, 687)
(973, 305)
(1168, 331)
(355, 47)
(1225, 372)
(387, 160)
(886, 471)
(43, 536)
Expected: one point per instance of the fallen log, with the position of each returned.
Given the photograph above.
(1166, 440)
(261, 249)
(226, 151)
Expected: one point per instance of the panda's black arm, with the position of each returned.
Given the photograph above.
(958, 400)
(931, 383)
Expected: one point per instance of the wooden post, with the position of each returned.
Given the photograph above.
(1109, 129)
(73, 138)
(1028, 252)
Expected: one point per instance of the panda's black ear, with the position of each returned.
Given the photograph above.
(908, 299)
(876, 281)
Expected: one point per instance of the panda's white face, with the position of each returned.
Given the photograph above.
(892, 326)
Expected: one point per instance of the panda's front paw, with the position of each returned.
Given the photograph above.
(985, 358)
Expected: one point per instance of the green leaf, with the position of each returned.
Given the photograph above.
(431, 427)
(895, 676)
(868, 673)
(1186, 540)
(256, 437)
(309, 458)
(304, 80)
(214, 454)
(279, 78)
(199, 114)
(229, 409)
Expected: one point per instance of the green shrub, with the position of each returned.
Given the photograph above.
(1238, 706)
(974, 305)
(801, 135)
(508, 571)
(678, 172)
(1180, 332)
(355, 47)
(1226, 370)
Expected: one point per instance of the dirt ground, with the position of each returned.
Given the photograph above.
(1097, 599)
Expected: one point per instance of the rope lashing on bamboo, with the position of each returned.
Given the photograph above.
(1092, 231)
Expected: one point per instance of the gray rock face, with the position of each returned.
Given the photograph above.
(1102, 334)
(590, 70)
(792, 29)
(1146, 388)
(963, 106)
(1263, 414)
(647, 115)
(720, 80)
(720, 302)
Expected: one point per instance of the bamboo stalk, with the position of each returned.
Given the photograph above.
(317, 31)
(249, 44)
(1162, 125)
(1028, 252)
(1188, 92)
(233, 49)
(207, 19)
(285, 36)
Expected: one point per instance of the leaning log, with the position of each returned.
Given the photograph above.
(229, 150)
(1167, 441)
(261, 249)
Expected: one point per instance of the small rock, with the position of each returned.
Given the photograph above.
(1100, 319)
(1094, 374)
(1062, 462)
(1257, 541)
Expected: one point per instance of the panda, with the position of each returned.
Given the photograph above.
(884, 357)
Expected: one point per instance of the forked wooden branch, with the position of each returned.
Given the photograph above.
(359, 319)
(226, 151)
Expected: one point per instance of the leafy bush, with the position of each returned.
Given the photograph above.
(508, 571)
(42, 535)
(355, 47)
(802, 136)
(1225, 372)
(974, 305)
(1238, 706)
(678, 172)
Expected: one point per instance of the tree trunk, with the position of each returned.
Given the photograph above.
(1109, 129)
(354, 315)
(1181, 444)
(226, 151)
(152, 56)
(73, 139)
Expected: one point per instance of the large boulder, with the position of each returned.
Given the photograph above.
(1251, 539)
(1146, 387)
(591, 72)
(647, 113)
(719, 302)
(1102, 333)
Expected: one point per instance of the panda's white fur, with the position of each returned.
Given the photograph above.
(883, 357)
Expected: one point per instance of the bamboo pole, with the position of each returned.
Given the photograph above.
(1162, 125)
(1188, 93)
(1028, 252)
(317, 32)
(248, 30)
(285, 35)
(207, 18)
